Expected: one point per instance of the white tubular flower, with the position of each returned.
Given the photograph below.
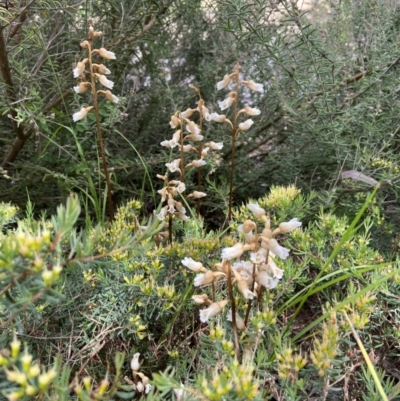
(102, 69)
(246, 125)
(175, 122)
(164, 193)
(258, 212)
(181, 187)
(179, 207)
(163, 213)
(193, 265)
(187, 113)
(212, 310)
(206, 278)
(278, 250)
(195, 138)
(201, 299)
(224, 83)
(239, 321)
(205, 113)
(226, 103)
(80, 68)
(168, 144)
(266, 280)
(177, 136)
(254, 86)
(187, 148)
(80, 115)
(246, 227)
(105, 53)
(197, 195)
(243, 286)
(250, 111)
(289, 225)
(182, 216)
(85, 44)
(215, 145)
(204, 152)
(233, 252)
(197, 163)
(219, 118)
(192, 127)
(82, 87)
(259, 256)
(104, 81)
(273, 269)
(135, 366)
(174, 165)
(109, 96)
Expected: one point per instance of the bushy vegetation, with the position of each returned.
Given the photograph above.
(153, 248)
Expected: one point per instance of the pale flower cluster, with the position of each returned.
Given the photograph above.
(99, 72)
(142, 385)
(249, 275)
(188, 140)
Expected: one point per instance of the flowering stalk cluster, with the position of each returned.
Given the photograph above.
(236, 127)
(248, 275)
(97, 74)
(142, 384)
(188, 139)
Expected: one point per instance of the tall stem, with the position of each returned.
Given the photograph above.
(99, 134)
(233, 135)
(233, 307)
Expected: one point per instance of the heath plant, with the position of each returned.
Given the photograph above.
(96, 73)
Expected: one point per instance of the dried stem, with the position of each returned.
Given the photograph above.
(233, 135)
(233, 307)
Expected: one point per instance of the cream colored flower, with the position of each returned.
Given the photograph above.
(82, 87)
(109, 96)
(239, 320)
(85, 44)
(174, 165)
(164, 193)
(102, 69)
(205, 113)
(175, 122)
(197, 195)
(258, 212)
(197, 163)
(250, 111)
(243, 286)
(233, 252)
(105, 53)
(80, 115)
(135, 365)
(254, 86)
(246, 227)
(215, 145)
(207, 278)
(272, 269)
(192, 127)
(201, 299)
(246, 125)
(266, 280)
(224, 83)
(182, 216)
(80, 68)
(212, 310)
(259, 257)
(104, 81)
(289, 225)
(163, 213)
(187, 113)
(219, 118)
(204, 152)
(193, 265)
(195, 137)
(272, 245)
(226, 103)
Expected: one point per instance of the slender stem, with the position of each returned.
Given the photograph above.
(249, 303)
(234, 135)
(99, 134)
(233, 307)
(170, 228)
(182, 153)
